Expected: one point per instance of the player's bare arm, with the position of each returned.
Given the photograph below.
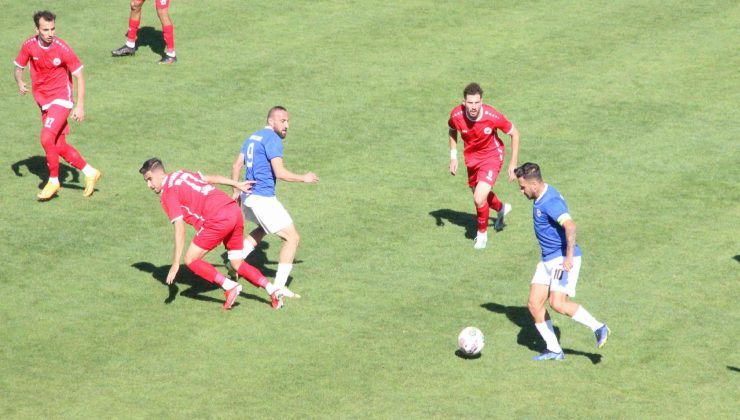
(22, 89)
(453, 151)
(514, 153)
(570, 243)
(236, 170)
(245, 186)
(282, 173)
(179, 225)
(78, 113)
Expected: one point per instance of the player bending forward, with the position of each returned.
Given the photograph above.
(557, 273)
(53, 63)
(191, 197)
(262, 153)
(478, 125)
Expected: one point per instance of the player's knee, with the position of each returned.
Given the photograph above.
(534, 305)
(189, 259)
(136, 4)
(558, 304)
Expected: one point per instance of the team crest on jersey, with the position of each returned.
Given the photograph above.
(487, 130)
(56, 61)
(539, 212)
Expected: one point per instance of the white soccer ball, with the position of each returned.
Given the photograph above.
(471, 341)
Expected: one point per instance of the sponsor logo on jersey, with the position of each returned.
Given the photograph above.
(56, 61)
(255, 137)
(35, 58)
(487, 130)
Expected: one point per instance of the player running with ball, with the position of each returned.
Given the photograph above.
(192, 198)
(556, 275)
(478, 125)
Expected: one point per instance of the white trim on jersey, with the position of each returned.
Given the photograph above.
(564, 218)
(78, 69)
(18, 65)
(61, 102)
(176, 219)
(512, 129)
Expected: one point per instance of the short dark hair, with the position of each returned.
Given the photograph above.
(150, 165)
(529, 171)
(47, 15)
(473, 89)
(275, 108)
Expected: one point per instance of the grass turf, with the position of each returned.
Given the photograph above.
(629, 107)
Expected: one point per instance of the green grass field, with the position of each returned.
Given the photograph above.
(630, 108)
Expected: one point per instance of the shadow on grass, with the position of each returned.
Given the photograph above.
(185, 277)
(147, 36)
(465, 220)
(258, 258)
(736, 258)
(461, 354)
(528, 336)
(36, 165)
(733, 368)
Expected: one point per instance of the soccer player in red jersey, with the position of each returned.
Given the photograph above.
(192, 198)
(168, 31)
(52, 65)
(478, 125)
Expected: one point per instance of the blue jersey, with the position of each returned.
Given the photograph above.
(259, 149)
(548, 212)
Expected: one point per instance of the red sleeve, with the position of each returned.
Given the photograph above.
(503, 124)
(23, 56)
(171, 205)
(451, 120)
(70, 59)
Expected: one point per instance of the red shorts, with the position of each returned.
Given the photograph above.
(54, 119)
(226, 226)
(485, 172)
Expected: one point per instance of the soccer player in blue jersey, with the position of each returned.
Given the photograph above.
(557, 272)
(262, 154)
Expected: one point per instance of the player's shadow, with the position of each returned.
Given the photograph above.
(147, 36)
(36, 165)
(733, 368)
(196, 285)
(528, 335)
(464, 220)
(258, 258)
(736, 258)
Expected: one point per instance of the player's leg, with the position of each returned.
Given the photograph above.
(538, 293)
(133, 27)
(54, 124)
(168, 31)
(71, 155)
(482, 210)
(253, 239)
(291, 240)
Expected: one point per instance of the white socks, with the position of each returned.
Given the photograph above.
(54, 180)
(582, 316)
(229, 284)
(270, 288)
(283, 272)
(248, 248)
(88, 170)
(549, 336)
(130, 44)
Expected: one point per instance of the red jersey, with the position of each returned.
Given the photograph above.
(186, 195)
(51, 71)
(480, 137)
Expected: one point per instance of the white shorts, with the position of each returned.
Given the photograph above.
(567, 282)
(267, 212)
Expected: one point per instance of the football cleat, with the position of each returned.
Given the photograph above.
(499, 224)
(289, 293)
(49, 191)
(123, 51)
(231, 296)
(167, 60)
(90, 183)
(480, 241)
(602, 334)
(277, 299)
(549, 355)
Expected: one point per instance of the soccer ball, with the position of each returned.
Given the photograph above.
(470, 341)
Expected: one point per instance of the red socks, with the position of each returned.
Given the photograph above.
(54, 149)
(252, 274)
(207, 272)
(494, 202)
(169, 37)
(483, 213)
(133, 28)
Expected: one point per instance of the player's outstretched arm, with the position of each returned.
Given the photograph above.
(18, 74)
(513, 161)
(453, 151)
(245, 186)
(236, 170)
(282, 173)
(179, 225)
(78, 113)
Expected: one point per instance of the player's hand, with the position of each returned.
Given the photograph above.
(172, 273)
(245, 186)
(453, 167)
(22, 89)
(78, 114)
(512, 175)
(310, 178)
(568, 264)
(236, 194)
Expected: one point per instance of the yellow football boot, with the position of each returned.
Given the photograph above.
(49, 191)
(90, 183)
